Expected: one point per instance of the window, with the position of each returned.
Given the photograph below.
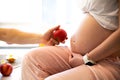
(28, 15)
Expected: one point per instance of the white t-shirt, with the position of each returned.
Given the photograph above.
(104, 11)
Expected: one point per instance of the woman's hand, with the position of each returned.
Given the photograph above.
(48, 39)
(76, 60)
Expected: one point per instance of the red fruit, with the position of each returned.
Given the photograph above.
(60, 35)
(6, 69)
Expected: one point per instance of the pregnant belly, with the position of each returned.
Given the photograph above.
(88, 36)
(81, 44)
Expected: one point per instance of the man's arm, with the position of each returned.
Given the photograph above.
(119, 12)
(18, 37)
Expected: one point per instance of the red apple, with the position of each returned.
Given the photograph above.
(60, 35)
(6, 69)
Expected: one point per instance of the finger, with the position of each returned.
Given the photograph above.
(49, 33)
(54, 28)
(53, 42)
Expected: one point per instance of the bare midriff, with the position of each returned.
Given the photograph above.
(88, 36)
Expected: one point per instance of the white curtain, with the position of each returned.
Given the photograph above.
(39, 15)
(28, 15)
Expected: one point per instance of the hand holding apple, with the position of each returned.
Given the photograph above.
(60, 35)
(6, 69)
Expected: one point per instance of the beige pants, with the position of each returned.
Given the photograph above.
(52, 63)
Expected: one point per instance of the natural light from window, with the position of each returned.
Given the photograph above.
(38, 15)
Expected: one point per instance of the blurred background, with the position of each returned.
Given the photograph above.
(39, 15)
(35, 16)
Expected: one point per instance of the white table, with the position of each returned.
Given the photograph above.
(19, 53)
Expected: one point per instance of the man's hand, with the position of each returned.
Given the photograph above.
(48, 37)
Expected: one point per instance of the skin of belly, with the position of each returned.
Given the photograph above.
(88, 36)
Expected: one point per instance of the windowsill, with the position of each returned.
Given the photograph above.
(18, 46)
(4, 45)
